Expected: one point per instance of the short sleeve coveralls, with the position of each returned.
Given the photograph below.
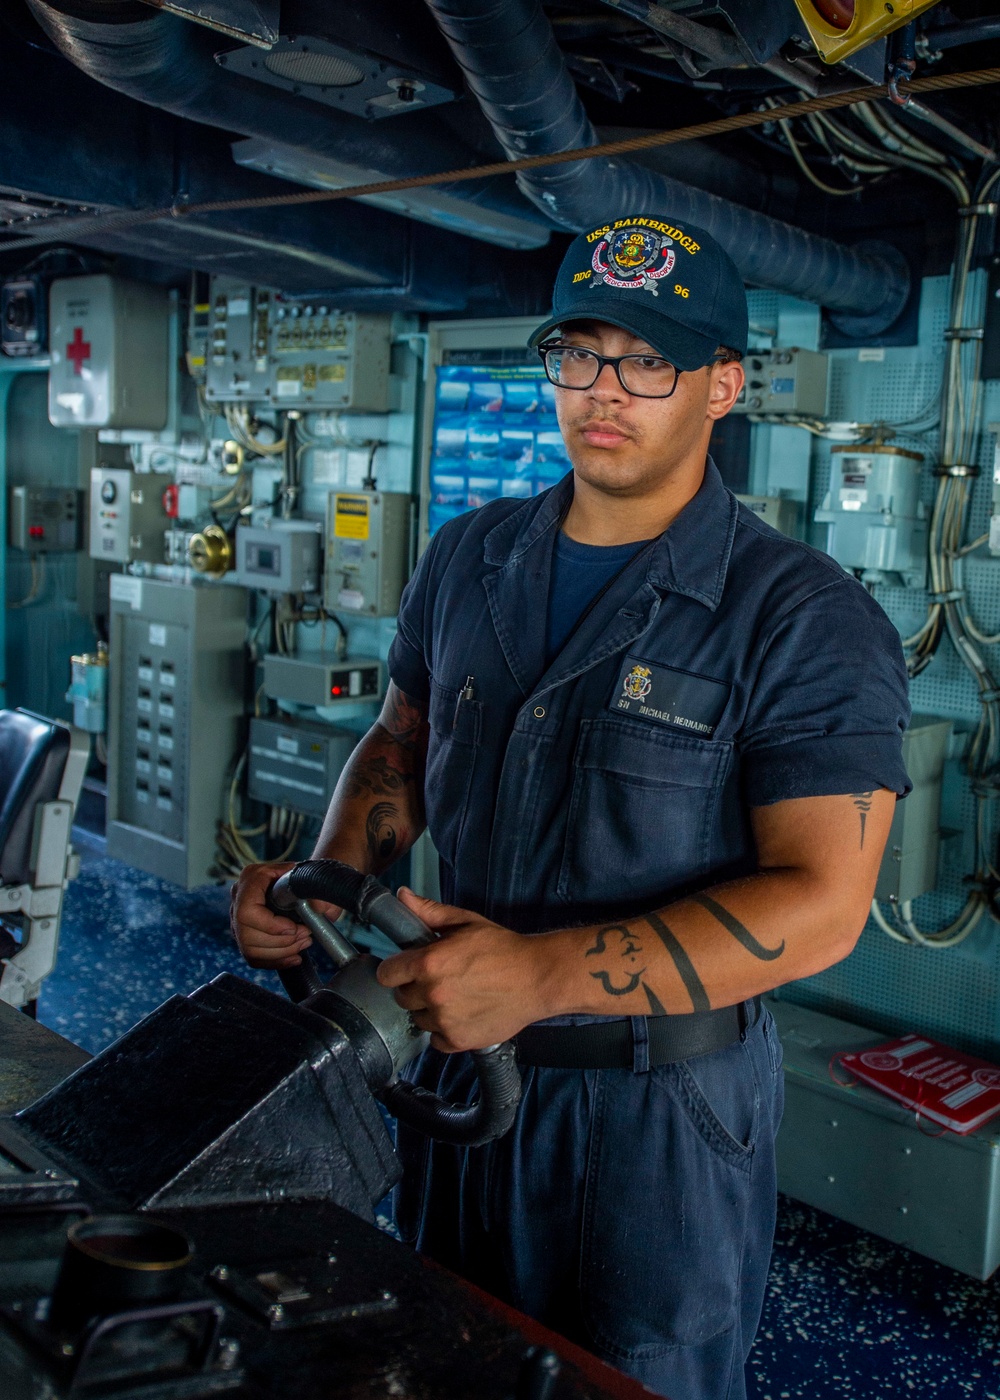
(726, 667)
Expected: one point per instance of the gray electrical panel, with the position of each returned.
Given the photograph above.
(175, 707)
(317, 678)
(367, 551)
(127, 519)
(295, 764)
(910, 864)
(789, 381)
(282, 557)
(300, 354)
(237, 352)
(45, 519)
(329, 359)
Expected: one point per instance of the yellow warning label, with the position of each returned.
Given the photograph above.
(350, 518)
(333, 374)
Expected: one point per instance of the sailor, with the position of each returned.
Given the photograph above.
(657, 746)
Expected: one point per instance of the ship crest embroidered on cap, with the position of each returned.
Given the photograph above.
(633, 257)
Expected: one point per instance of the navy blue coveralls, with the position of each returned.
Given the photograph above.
(631, 1210)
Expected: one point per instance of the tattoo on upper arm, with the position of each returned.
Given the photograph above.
(738, 930)
(377, 776)
(381, 832)
(628, 966)
(404, 719)
(863, 802)
(685, 967)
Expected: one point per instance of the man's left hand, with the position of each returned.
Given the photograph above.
(477, 985)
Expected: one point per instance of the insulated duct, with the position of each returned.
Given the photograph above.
(169, 63)
(514, 67)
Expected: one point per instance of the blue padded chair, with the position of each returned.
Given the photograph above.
(42, 767)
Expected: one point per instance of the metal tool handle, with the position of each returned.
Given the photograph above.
(369, 901)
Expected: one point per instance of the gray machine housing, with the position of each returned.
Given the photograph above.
(318, 678)
(281, 557)
(781, 381)
(367, 551)
(175, 703)
(46, 519)
(127, 520)
(295, 764)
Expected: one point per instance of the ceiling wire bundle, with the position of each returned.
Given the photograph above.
(961, 405)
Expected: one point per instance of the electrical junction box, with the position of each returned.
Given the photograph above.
(784, 382)
(910, 864)
(876, 522)
(282, 557)
(367, 551)
(293, 354)
(108, 351)
(295, 764)
(175, 710)
(44, 519)
(329, 359)
(779, 512)
(236, 352)
(23, 317)
(317, 678)
(127, 520)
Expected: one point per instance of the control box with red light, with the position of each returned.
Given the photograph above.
(45, 519)
(319, 679)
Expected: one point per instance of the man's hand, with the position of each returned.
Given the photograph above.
(478, 985)
(266, 939)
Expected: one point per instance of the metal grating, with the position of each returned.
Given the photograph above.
(952, 994)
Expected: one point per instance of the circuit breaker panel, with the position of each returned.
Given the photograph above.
(176, 700)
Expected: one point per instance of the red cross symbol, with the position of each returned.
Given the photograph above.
(78, 350)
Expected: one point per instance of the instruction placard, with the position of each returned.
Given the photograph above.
(350, 518)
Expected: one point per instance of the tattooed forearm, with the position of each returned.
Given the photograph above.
(377, 776)
(380, 830)
(627, 964)
(863, 802)
(693, 983)
(739, 932)
(404, 719)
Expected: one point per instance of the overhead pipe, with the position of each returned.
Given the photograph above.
(169, 63)
(515, 69)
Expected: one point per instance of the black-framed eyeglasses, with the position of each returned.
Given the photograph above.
(572, 367)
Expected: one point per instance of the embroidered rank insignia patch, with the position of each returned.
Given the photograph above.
(633, 257)
(665, 696)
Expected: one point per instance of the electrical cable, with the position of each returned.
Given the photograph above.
(37, 583)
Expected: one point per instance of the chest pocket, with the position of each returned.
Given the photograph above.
(642, 812)
(455, 727)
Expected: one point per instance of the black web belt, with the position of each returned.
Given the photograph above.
(610, 1044)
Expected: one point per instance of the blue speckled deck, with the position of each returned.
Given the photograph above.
(847, 1315)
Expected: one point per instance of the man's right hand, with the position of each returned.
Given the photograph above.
(267, 939)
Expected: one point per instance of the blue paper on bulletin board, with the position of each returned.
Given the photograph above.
(495, 434)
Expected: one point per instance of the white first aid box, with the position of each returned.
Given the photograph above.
(109, 344)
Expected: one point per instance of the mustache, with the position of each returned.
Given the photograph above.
(608, 420)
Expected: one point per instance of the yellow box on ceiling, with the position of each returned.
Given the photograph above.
(840, 27)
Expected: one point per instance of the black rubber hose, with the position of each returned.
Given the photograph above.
(463, 1125)
(302, 981)
(368, 900)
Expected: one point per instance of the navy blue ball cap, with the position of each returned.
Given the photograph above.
(673, 287)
